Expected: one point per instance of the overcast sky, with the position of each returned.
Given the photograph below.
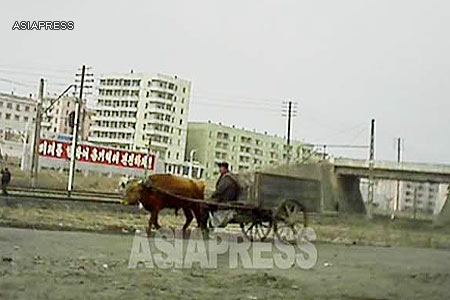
(343, 62)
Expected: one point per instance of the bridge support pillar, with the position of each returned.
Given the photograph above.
(350, 198)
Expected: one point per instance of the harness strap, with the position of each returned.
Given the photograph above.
(204, 202)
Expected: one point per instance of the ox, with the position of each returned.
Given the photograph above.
(150, 194)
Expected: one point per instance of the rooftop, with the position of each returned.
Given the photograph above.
(4, 96)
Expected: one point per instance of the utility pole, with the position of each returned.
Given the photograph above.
(289, 132)
(289, 114)
(397, 195)
(371, 167)
(75, 134)
(34, 165)
(148, 156)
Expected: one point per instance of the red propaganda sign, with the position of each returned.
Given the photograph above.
(97, 155)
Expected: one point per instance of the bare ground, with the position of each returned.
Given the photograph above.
(360, 259)
(72, 265)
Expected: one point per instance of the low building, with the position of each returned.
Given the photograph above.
(16, 113)
(421, 195)
(185, 169)
(242, 149)
(426, 197)
(59, 118)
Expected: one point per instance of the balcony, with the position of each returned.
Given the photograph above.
(107, 140)
(111, 129)
(156, 87)
(160, 122)
(119, 97)
(154, 109)
(153, 99)
(158, 144)
(247, 154)
(116, 108)
(119, 119)
(153, 131)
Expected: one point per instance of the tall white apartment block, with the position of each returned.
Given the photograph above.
(136, 110)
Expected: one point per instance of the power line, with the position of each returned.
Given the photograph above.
(33, 73)
(233, 101)
(234, 105)
(228, 97)
(39, 68)
(16, 82)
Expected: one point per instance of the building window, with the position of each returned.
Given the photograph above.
(9, 105)
(16, 117)
(178, 155)
(7, 116)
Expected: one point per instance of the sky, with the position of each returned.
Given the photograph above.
(342, 63)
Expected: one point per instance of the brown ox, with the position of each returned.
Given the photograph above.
(152, 197)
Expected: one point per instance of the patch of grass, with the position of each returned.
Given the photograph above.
(52, 179)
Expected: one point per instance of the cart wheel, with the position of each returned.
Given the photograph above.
(290, 220)
(257, 230)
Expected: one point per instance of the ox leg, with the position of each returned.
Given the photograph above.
(157, 226)
(150, 223)
(189, 217)
(201, 215)
(153, 221)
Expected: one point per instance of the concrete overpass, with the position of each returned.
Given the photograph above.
(405, 171)
(340, 179)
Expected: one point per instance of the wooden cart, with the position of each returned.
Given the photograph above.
(275, 202)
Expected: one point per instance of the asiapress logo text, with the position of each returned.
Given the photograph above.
(43, 25)
(168, 249)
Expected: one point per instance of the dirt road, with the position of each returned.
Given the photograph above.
(74, 265)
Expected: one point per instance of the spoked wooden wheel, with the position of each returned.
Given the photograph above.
(290, 220)
(256, 230)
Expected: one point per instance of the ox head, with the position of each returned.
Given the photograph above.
(133, 191)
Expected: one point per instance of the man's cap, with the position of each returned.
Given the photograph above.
(223, 164)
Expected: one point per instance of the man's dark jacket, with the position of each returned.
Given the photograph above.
(227, 188)
(6, 177)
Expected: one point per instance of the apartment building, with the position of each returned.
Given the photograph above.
(423, 195)
(16, 113)
(135, 110)
(242, 149)
(426, 197)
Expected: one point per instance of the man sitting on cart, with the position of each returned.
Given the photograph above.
(227, 186)
(227, 190)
